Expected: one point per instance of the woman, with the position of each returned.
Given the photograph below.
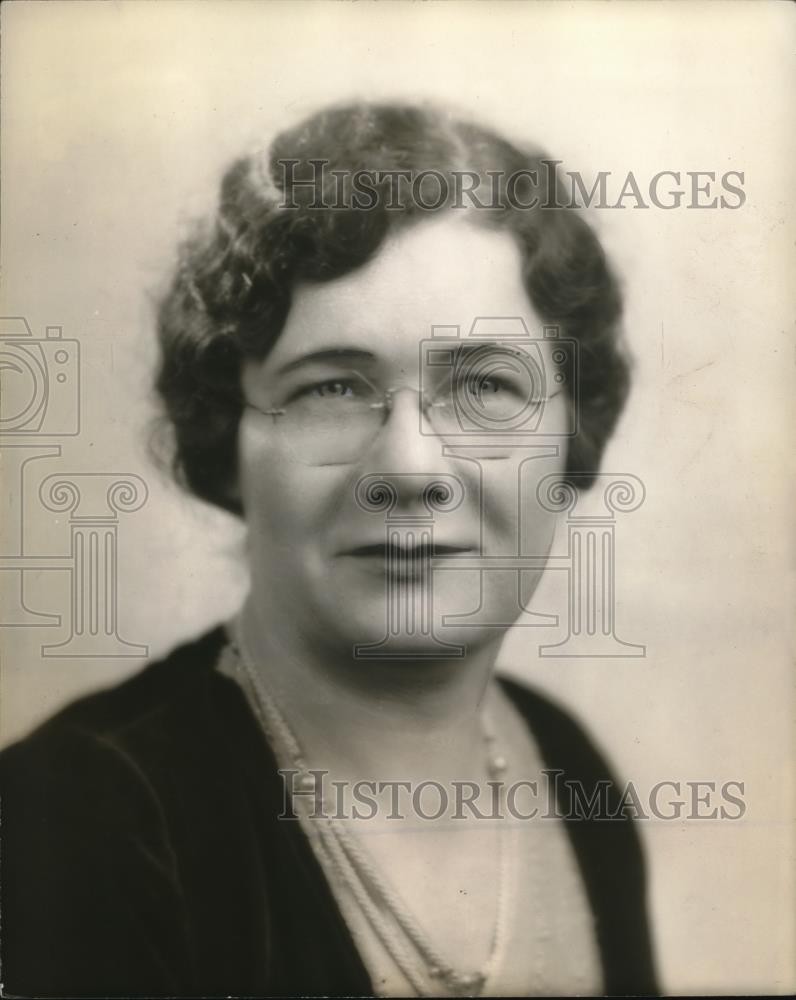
(151, 844)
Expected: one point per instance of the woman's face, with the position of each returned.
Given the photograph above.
(322, 571)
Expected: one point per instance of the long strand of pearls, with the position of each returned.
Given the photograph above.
(361, 876)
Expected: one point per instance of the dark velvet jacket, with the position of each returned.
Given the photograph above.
(142, 853)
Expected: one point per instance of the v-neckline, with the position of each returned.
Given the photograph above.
(260, 768)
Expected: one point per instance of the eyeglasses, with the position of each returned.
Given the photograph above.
(334, 421)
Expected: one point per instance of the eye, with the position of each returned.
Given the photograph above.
(335, 389)
(484, 386)
(349, 388)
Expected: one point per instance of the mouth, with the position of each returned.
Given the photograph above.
(422, 551)
(403, 562)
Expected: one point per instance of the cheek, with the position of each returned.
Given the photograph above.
(511, 510)
(271, 490)
(285, 503)
(538, 522)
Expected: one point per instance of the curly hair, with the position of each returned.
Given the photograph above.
(231, 291)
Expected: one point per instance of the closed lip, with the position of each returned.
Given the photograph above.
(381, 550)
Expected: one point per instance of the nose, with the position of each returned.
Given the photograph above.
(407, 442)
(407, 500)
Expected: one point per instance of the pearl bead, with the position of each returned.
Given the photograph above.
(467, 983)
(498, 764)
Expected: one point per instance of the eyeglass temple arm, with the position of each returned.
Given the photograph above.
(268, 413)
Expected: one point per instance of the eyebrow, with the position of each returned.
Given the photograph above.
(327, 354)
(466, 347)
(511, 349)
(463, 348)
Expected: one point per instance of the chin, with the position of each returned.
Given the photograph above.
(367, 626)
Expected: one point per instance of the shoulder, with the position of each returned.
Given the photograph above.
(89, 804)
(104, 716)
(563, 739)
(109, 748)
(581, 779)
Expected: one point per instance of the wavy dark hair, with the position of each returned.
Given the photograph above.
(231, 291)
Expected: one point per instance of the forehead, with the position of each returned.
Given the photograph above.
(442, 272)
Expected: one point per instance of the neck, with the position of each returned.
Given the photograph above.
(385, 718)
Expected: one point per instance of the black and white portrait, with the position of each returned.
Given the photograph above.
(396, 434)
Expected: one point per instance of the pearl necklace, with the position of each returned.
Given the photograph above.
(360, 874)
